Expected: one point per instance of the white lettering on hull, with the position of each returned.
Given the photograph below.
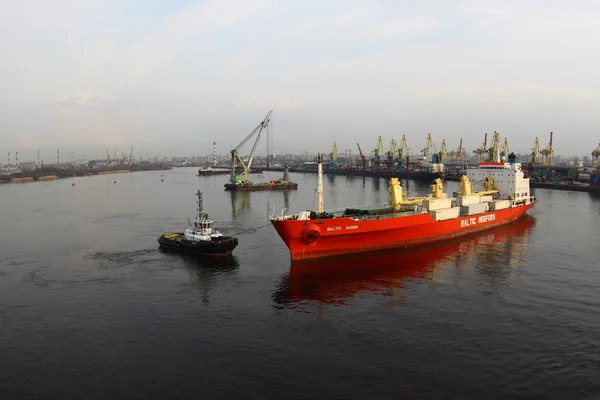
(465, 222)
(339, 228)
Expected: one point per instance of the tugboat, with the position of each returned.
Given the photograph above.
(200, 237)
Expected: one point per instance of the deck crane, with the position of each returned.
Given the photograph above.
(548, 153)
(481, 151)
(377, 154)
(391, 155)
(235, 158)
(535, 150)
(402, 154)
(362, 157)
(596, 157)
(427, 150)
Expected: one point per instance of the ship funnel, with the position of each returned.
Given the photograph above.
(396, 192)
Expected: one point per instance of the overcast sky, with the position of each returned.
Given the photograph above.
(171, 76)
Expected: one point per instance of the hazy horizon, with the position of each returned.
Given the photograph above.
(170, 78)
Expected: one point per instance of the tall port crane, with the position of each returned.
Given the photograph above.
(427, 150)
(596, 157)
(333, 156)
(495, 148)
(442, 155)
(548, 153)
(402, 154)
(457, 156)
(533, 161)
(362, 157)
(481, 151)
(377, 154)
(505, 147)
(235, 158)
(391, 155)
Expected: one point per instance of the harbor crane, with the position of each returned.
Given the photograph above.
(246, 165)
(596, 157)
(427, 150)
(495, 148)
(442, 155)
(391, 154)
(505, 148)
(481, 151)
(333, 156)
(402, 154)
(457, 156)
(533, 161)
(377, 154)
(548, 153)
(362, 157)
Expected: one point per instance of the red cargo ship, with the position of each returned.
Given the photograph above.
(410, 221)
(334, 280)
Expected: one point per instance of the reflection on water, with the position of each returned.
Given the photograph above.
(335, 280)
(206, 270)
(240, 203)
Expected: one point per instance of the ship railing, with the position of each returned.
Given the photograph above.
(383, 216)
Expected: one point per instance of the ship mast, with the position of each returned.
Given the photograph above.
(320, 183)
(199, 203)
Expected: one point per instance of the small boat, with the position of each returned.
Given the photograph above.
(200, 237)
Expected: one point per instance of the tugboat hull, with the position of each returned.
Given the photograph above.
(222, 246)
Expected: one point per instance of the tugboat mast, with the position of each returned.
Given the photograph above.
(199, 203)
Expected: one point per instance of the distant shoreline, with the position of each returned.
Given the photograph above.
(53, 174)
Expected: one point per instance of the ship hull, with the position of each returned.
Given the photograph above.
(216, 247)
(316, 238)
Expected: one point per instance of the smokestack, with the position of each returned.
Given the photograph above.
(215, 153)
(58, 156)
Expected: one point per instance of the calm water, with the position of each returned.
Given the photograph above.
(90, 308)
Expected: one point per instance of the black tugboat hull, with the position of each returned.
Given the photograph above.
(216, 247)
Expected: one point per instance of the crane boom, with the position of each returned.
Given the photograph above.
(362, 157)
(235, 158)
